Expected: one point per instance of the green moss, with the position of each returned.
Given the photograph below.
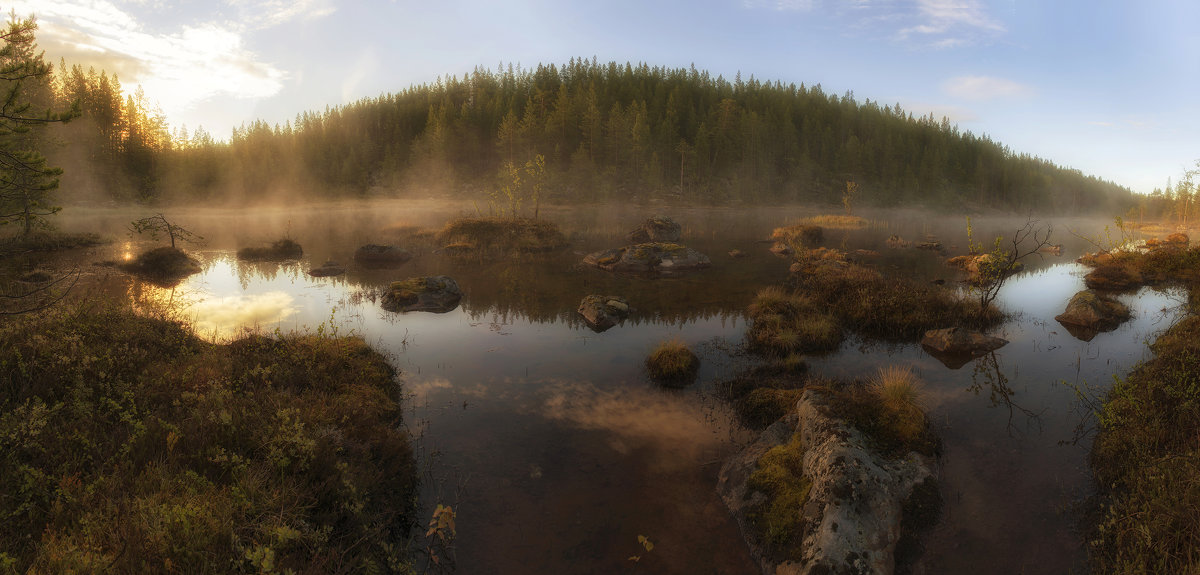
(127, 444)
(780, 476)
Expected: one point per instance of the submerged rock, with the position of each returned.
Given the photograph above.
(603, 312)
(655, 229)
(648, 258)
(1089, 313)
(381, 256)
(438, 294)
(851, 518)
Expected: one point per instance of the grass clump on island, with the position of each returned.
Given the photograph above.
(672, 363)
(467, 235)
(129, 445)
(860, 299)
(282, 249)
(162, 264)
(837, 221)
(1146, 460)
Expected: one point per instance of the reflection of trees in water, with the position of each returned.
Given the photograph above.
(268, 271)
(989, 375)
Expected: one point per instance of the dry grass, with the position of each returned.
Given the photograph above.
(899, 393)
(494, 234)
(837, 221)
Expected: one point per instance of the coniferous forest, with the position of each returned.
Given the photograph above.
(606, 132)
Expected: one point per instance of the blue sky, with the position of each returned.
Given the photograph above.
(1111, 88)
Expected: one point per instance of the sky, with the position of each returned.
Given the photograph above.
(1108, 87)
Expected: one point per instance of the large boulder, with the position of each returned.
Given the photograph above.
(1089, 313)
(655, 229)
(654, 257)
(381, 256)
(850, 520)
(438, 294)
(955, 346)
(603, 311)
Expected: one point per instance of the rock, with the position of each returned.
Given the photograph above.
(737, 254)
(1179, 239)
(649, 258)
(438, 294)
(850, 521)
(381, 256)
(1113, 276)
(953, 343)
(931, 243)
(896, 242)
(781, 249)
(655, 229)
(603, 312)
(329, 268)
(1089, 313)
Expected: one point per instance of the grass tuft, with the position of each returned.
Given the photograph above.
(672, 363)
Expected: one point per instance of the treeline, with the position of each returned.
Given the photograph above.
(606, 132)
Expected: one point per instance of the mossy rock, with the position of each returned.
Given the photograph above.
(1089, 313)
(603, 312)
(381, 256)
(284, 249)
(437, 294)
(651, 257)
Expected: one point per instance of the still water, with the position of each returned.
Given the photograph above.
(557, 452)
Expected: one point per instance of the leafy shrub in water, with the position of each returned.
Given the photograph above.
(128, 445)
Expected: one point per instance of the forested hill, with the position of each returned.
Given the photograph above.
(605, 131)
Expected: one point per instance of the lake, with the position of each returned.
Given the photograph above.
(555, 449)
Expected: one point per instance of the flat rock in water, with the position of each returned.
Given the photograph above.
(954, 346)
(438, 294)
(1089, 313)
(603, 311)
(850, 522)
(655, 229)
(651, 257)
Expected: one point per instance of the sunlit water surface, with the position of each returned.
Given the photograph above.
(557, 452)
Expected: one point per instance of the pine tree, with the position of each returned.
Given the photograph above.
(26, 182)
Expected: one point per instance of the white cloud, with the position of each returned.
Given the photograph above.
(950, 23)
(985, 88)
(270, 13)
(178, 68)
(781, 5)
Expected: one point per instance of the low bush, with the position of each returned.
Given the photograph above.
(128, 445)
(165, 264)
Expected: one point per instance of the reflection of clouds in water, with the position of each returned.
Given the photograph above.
(637, 418)
(225, 316)
(421, 390)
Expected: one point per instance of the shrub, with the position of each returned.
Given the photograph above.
(165, 264)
